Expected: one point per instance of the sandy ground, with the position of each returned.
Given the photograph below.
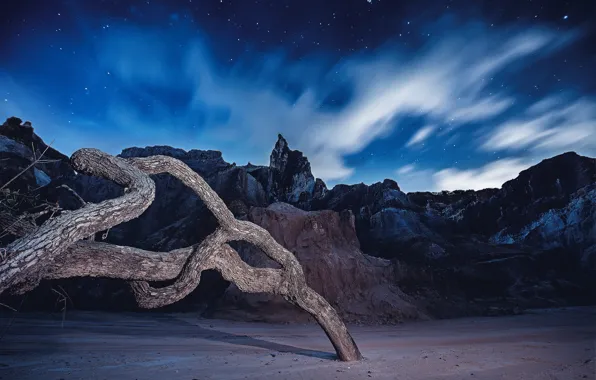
(553, 344)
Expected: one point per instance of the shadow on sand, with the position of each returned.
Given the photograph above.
(89, 327)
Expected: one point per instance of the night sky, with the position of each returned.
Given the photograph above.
(434, 94)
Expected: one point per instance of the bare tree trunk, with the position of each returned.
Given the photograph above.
(54, 250)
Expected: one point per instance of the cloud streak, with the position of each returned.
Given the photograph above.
(421, 135)
(491, 175)
(550, 126)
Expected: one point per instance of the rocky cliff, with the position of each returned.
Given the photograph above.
(375, 252)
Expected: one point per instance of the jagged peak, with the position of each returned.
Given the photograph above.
(290, 175)
(390, 183)
(281, 144)
(281, 155)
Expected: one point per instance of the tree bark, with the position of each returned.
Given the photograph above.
(54, 250)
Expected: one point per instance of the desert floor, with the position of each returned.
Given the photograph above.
(545, 344)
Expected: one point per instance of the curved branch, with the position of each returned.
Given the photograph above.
(87, 258)
(177, 168)
(150, 297)
(98, 259)
(28, 255)
(257, 280)
(292, 285)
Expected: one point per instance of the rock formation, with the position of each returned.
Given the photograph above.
(19, 147)
(529, 244)
(288, 178)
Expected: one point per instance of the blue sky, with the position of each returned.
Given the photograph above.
(446, 98)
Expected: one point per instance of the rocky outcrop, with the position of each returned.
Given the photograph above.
(19, 148)
(204, 162)
(549, 207)
(545, 217)
(450, 205)
(387, 222)
(361, 287)
(572, 228)
(239, 189)
(521, 201)
(288, 178)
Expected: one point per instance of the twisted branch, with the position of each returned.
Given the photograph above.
(56, 245)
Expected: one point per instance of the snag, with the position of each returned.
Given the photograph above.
(56, 249)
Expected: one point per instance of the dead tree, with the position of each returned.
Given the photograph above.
(56, 249)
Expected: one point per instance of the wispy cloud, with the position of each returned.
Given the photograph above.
(549, 126)
(483, 109)
(443, 86)
(491, 175)
(421, 135)
(406, 169)
(411, 178)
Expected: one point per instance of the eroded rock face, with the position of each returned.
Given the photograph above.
(451, 205)
(548, 207)
(572, 227)
(239, 189)
(547, 215)
(386, 220)
(361, 287)
(521, 201)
